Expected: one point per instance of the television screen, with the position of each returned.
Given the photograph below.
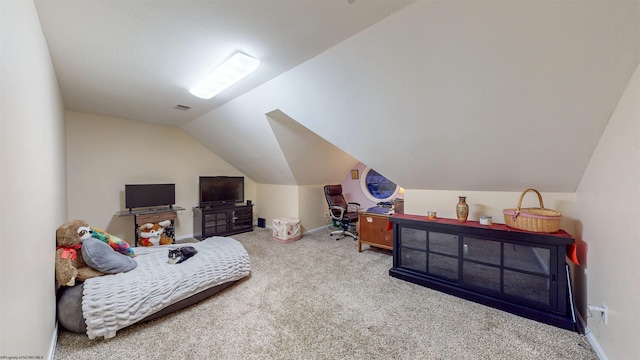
(146, 195)
(217, 190)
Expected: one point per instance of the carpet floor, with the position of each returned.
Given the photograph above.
(318, 298)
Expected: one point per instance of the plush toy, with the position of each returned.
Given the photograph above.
(153, 234)
(116, 243)
(100, 256)
(81, 255)
(70, 265)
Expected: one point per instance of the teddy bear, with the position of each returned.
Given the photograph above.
(153, 234)
(84, 252)
(70, 265)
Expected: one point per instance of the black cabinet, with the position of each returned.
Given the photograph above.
(520, 272)
(222, 220)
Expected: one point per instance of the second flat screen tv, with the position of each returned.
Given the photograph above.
(220, 190)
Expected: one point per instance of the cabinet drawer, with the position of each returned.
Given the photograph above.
(154, 218)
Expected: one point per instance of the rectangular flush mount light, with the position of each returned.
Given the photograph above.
(231, 71)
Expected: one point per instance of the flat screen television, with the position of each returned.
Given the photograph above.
(220, 190)
(147, 195)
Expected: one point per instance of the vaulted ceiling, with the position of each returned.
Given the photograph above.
(478, 95)
(137, 59)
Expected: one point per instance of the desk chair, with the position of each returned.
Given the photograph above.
(343, 213)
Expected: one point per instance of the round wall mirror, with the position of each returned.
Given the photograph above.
(376, 187)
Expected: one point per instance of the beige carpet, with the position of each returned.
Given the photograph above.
(318, 298)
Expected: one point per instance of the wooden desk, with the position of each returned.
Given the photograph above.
(374, 230)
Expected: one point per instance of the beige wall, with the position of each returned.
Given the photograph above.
(306, 203)
(608, 209)
(105, 153)
(313, 206)
(32, 183)
(276, 201)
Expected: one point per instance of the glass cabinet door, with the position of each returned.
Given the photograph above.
(527, 273)
(240, 219)
(511, 270)
(413, 238)
(481, 263)
(443, 255)
(215, 222)
(413, 249)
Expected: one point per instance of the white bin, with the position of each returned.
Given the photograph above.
(286, 230)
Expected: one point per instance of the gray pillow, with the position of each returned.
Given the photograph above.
(100, 256)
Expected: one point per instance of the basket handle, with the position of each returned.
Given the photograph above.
(522, 196)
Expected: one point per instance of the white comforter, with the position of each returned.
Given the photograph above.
(112, 302)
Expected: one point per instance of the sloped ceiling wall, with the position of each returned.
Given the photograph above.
(239, 133)
(311, 159)
(495, 96)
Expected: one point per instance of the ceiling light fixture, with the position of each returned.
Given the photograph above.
(231, 71)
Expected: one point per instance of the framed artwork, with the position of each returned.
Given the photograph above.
(355, 174)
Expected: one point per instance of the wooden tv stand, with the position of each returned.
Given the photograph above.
(153, 215)
(222, 220)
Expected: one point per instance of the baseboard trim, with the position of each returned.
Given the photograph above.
(308, 232)
(315, 230)
(595, 345)
(54, 342)
(269, 227)
(183, 237)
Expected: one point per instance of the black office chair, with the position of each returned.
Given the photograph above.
(343, 213)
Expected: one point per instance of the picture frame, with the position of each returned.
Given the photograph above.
(355, 174)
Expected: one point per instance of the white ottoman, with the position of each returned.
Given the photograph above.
(286, 230)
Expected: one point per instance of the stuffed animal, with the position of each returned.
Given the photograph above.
(153, 234)
(83, 253)
(70, 265)
(116, 243)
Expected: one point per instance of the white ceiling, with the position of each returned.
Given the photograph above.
(137, 59)
(461, 95)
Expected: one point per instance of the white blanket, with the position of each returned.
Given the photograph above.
(112, 302)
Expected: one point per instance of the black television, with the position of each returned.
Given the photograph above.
(147, 195)
(221, 190)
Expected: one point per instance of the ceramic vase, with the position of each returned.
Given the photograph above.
(462, 209)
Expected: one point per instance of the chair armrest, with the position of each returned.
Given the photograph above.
(354, 205)
(342, 210)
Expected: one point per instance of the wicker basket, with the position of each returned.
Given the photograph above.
(533, 219)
